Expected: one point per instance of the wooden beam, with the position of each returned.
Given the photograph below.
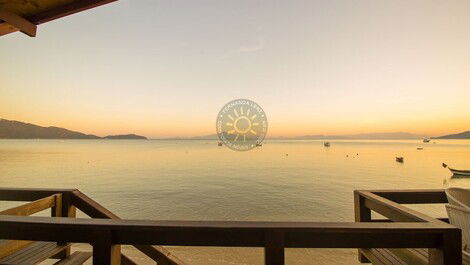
(413, 196)
(31, 207)
(227, 233)
(67, 9)
(28, 194)
(18, 22)
(6, 28)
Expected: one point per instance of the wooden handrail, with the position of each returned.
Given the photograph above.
(392, 210)
(28, 194)
(424, 196)
(226, 233)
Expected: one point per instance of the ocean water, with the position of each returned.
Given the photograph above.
(197, 180)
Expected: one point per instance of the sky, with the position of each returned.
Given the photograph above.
(165, 68)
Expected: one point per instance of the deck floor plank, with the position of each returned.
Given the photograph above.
(77, 258)
(411, 256)
(33, 254)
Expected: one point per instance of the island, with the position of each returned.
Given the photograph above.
(126, 136)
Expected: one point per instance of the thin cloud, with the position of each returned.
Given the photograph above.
(258, 46)
(253, 47)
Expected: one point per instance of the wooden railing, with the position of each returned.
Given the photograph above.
(63, 203)
(409, 229)
(388, 203)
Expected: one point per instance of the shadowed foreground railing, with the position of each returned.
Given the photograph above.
(412, 229)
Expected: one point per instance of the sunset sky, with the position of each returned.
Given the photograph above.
(165, 68)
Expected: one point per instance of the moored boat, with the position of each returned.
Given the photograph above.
(426, 140)
(459, 172)
(219, 144)
(399, 159)
(326, 144)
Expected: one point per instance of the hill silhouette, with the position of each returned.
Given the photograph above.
(462, 135)
(20, 130)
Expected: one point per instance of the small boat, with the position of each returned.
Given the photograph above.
(259, 144)
(399, 159)
(459, 172)
(219, 144)
(444, 165)
(326, 144)
(419, 148)
(426, 140)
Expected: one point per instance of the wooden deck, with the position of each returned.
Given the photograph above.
(404, 229)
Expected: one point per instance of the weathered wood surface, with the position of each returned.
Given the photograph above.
(33, 253)
(7, 247)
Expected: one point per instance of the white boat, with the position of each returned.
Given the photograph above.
(459, 172)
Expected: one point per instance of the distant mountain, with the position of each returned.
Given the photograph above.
(125, 136)
(320, 137)
(20, 130)
(205, 137)
(462, 135)
(365, 136)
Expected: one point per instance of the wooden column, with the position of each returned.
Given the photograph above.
(361, 214)
(63, 208)
(451, 251)
(104, 251)
(274, 249)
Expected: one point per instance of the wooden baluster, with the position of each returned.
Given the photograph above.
(451, 251)
(274, 248)
(63, 208)
(104, 251)
(361, 214)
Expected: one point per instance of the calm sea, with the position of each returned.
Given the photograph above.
(197, 180)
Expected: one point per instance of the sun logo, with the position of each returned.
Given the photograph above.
(241, 125)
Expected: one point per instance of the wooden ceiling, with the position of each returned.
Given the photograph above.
(25, 15)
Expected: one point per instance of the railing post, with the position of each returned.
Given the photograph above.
(104, 251)
(63, 208)
(451, 251)
(274, 248)
(361, 214)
